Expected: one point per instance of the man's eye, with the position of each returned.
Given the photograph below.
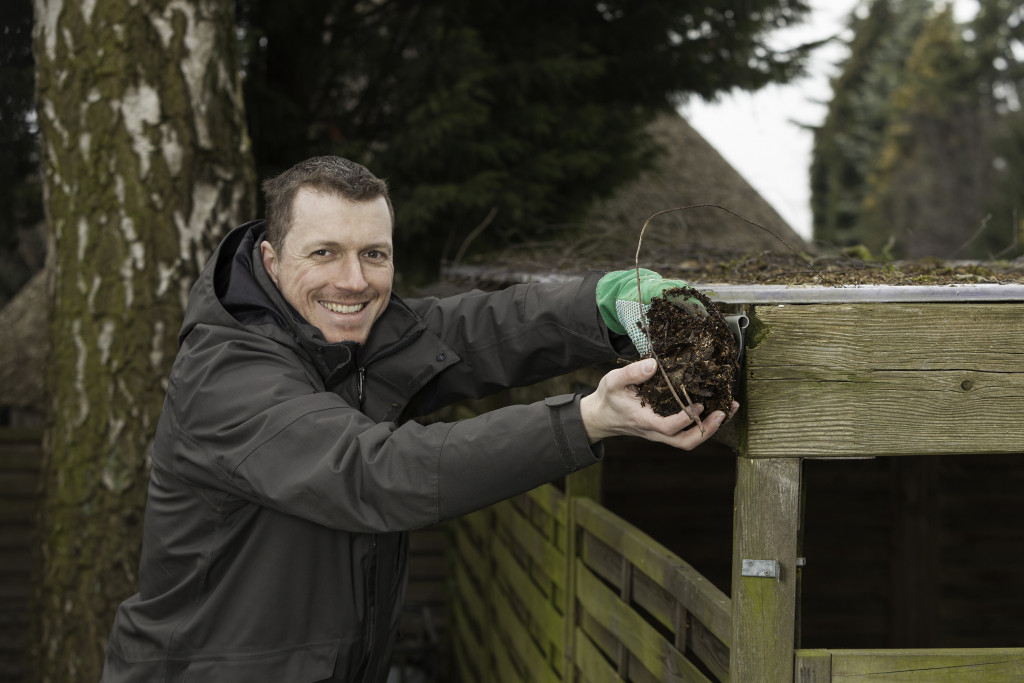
(374, 254)
(321, 252)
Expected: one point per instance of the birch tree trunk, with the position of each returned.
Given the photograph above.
(147, 163)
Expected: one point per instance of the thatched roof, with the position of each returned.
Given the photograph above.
(24, 338)
(690, 172)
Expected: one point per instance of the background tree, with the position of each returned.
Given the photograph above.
(922, 151)
(930, 179)
(146, 162)
(995, 41)
(849, 141)
(497, 122)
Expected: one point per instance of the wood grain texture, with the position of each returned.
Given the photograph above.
(764, 609)
(884, 379)
(997, 665)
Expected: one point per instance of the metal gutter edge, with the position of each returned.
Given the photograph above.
(817, 294)
(728, 293)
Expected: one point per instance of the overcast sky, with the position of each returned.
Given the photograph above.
(760, 133)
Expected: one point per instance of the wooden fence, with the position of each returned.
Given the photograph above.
(550, 587)
(20, 461)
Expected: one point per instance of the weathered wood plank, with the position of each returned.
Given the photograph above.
(997, 665)
(539, 549)
(884, 379)
(469, 595)
(470, 557)
(470, 653)
(764, 609)
(505, 670)
(546, 619)
(592, 665)
(699, 596)
(645, 644)
(512, 634)
(479, 524)
(551, 500)
(813, 666)
(29, 435)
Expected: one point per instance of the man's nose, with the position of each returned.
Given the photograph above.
(349, 274)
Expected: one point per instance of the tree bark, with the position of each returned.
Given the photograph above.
(146, 163)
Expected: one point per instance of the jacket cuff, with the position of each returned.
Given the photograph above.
(567, 425)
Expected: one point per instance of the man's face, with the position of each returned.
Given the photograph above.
(336, 266)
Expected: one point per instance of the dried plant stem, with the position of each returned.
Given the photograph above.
(688, 406)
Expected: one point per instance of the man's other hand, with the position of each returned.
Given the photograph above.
(615, 409)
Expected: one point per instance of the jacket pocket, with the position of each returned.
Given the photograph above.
(300, 665)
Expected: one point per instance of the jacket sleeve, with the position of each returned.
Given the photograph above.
(244, 422)
(516, 337)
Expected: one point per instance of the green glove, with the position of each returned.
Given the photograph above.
(618, 301)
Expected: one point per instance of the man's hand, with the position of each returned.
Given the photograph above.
(614, 409)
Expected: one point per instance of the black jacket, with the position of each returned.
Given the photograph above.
(285, 470)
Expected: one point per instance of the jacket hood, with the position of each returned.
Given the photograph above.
(234, 290)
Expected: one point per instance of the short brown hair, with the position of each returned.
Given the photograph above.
(327, 174)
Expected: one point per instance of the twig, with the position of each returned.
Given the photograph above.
(688, 407)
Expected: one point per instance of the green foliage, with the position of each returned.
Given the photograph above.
(923, 147)
(850, 139)
(524, 110)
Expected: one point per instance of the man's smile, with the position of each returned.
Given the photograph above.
(342, 308)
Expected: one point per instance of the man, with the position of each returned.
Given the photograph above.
(285, 470)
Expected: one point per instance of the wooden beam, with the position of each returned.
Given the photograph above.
(764, 608)
(996, 665)
(855, 380)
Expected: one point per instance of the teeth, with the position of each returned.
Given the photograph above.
(341, 308)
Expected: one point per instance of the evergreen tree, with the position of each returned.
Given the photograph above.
(996, 43)
(507, 116)
(849, 141)
(931, 177)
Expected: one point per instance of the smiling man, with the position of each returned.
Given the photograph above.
(288, 467)
(336, 265)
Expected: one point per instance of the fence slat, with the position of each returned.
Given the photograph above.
(551, 500)
(592, 665)
(646, 645)
(540, 549)
(469, 648)
(516, 637)
(542, 613)
(699, 596)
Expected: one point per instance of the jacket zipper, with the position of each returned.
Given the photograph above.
(361, 381)
(371, 612)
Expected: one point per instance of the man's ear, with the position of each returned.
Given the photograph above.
(270, 261)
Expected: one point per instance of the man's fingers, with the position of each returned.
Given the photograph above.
(689, 439)
(634, 373)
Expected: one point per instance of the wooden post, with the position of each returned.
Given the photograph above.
(766, 527)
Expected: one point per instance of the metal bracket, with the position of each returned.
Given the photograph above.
(738, 323)
(761, 568)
